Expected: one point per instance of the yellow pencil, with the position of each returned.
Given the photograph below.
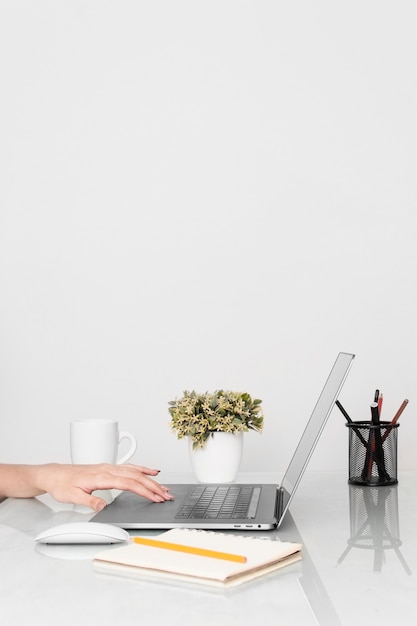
(155, 543)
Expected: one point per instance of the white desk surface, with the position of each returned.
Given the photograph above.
(359, 567)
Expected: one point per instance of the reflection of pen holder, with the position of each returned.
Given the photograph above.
(374, 523)
(373, 453)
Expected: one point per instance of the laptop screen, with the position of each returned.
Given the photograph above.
(314, 427)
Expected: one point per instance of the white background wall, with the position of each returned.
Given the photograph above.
(204, 195)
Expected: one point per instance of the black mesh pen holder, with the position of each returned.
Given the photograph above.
(373, 453)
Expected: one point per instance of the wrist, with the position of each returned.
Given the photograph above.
(41, 475)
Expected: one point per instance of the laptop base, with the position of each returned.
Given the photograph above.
(130, 511)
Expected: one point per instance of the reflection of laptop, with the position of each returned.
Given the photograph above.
(232, 505)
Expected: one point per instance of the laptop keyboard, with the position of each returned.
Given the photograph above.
(225, 502)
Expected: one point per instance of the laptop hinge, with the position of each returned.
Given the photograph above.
(278, 503)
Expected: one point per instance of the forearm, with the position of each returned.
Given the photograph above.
(19, 481)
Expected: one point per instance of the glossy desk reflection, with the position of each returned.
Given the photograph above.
(359, 549)
(374, 524)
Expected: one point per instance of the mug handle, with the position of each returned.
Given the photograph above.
(125, 435)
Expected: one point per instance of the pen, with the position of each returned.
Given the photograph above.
(376, 442)
(155, 543)
(344, 413)
(350, 421)
(380, 400)
(370, 446)
(374, 414)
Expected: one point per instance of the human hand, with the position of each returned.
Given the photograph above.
(75, 483)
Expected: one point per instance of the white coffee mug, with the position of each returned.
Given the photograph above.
(97, 441)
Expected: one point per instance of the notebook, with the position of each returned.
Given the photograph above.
(198, 557)
(240, 506)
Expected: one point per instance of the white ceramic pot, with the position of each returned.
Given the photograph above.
(219, 460)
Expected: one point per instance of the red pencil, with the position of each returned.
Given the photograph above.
(395, 419)
(398, 413)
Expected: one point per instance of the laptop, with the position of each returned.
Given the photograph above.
(232, 506)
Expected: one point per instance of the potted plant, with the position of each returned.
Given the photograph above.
(214, 424)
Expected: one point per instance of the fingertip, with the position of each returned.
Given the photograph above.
(101, 504)
(149, 470)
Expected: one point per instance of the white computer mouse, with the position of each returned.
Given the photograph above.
(82, 533)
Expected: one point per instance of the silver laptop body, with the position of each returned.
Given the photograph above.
(265, 504)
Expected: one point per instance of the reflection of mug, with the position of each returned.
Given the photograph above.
(97, 441)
